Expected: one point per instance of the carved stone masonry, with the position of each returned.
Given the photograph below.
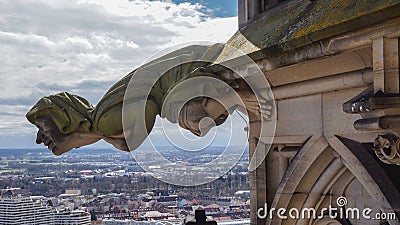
(379, 105)
(387, 148)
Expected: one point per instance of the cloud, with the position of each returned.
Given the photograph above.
(84, 46)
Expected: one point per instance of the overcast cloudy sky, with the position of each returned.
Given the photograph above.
(84, 46)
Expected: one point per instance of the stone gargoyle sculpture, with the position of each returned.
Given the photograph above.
(66, 121)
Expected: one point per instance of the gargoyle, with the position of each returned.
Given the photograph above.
(66, 121)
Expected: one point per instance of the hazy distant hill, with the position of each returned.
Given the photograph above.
(6, 152)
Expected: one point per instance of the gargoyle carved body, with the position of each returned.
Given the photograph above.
(67, 121)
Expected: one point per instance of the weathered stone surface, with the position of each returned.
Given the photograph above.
(303, 22)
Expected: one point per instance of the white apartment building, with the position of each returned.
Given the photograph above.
(24, 211)
(72, 218)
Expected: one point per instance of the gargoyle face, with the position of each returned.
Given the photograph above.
(58, 142)
(202, 114)
(50, 136)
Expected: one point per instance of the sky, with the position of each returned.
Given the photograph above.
(84, 46)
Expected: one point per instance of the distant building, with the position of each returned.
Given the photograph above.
(73, 192)
(132, 222)
(72, 218)
(171, 200)
(15, 192)
(24, 210)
